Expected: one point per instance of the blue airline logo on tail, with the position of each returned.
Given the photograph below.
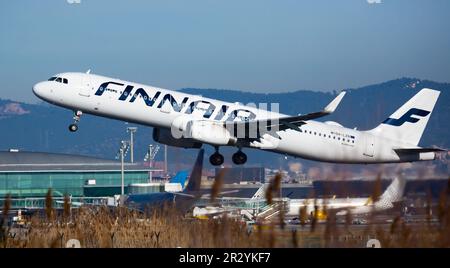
(407, 117)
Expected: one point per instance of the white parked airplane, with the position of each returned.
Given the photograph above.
(322, 207)
(356, 206)
(189, 121)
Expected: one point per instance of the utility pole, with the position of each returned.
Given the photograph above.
(150, 156)
(132, 130)
(150, 161)
(165, 160)
(124, 146)
(122, 173)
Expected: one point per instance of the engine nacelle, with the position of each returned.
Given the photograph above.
(204, 131)
(164, 136)
(210, 132)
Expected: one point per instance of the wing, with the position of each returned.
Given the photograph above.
(418, 150)
(289, 122)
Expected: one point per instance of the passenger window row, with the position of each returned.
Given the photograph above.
(59, 79)
(328, 136)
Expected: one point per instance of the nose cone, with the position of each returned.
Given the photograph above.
(39, 90)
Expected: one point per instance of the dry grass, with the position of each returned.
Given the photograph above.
(167, 228)
(101, 227)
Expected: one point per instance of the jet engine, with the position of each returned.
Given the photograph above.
(164, 136)
(210, 132)
(204, 131)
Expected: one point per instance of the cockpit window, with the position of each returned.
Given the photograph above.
(59, 79)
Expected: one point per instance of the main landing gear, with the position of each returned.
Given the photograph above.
(239, 158)
(216, 159)
(76, 117)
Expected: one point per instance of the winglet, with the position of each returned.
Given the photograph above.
(334, 103)
(88, 71)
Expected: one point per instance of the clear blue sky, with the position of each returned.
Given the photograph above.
(251, 45)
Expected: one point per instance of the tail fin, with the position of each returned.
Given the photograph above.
(196, 175)
(409, 121)
(393, 193)
(180, 178)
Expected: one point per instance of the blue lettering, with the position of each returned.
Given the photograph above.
(103, 87)
(148, 101)
(176, 107)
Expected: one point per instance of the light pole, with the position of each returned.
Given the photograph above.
(132, 130)
(150, 156)
(122, 172)
(150, 162)
(165, 160)
(124, 146)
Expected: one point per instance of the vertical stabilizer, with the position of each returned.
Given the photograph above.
(407, 124)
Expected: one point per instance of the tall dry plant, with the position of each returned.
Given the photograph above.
(217, 185)
(273, 190)
(4, 228)
(377, 189)
(66, 207)
(49, 204)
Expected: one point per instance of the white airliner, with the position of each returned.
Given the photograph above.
(354, 206)
(189, 121)
(319, 206)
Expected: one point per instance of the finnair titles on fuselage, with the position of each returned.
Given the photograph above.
(189, 121)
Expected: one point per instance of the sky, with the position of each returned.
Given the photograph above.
(253, 45)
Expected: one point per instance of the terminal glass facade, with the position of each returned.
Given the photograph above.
(36, 184)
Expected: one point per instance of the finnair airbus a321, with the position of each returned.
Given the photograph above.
(189, 121)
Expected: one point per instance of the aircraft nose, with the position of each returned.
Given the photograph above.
(38, 89)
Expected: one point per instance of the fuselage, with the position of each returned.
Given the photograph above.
(157, 107)
(324, 204)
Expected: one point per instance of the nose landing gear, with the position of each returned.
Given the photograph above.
(73, 127)
(77, 115)
(239, 158)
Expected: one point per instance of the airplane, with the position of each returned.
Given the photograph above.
(355, 206)
(319, 207)
(189, 121)
(393, 194)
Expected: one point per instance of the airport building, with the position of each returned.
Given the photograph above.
(31, 174)
(241, 174)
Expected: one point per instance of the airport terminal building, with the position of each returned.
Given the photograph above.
(31, 174)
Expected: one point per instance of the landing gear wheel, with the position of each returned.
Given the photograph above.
(216, 159)
(73, 127)
(76, 118)
(239, 158)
